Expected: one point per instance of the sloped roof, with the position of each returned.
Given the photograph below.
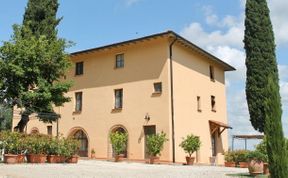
(171, 34)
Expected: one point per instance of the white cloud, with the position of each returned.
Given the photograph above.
(195, 33)
(226, 42)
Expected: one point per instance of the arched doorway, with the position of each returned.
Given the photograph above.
(34, 130)
(122, 130)
(83, 140)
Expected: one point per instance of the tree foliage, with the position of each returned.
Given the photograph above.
(31, 71)
(260, 58)
(40, 18)
(262, 85)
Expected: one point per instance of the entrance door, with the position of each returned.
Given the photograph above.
(148, 130)
(214, 144)
(82, 138)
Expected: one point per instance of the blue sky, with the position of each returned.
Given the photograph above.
(217, 26)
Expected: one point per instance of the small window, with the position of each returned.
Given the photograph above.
(119, 60)
(213, 103)
(78, 104)
(199, 104)
(118, 98)
(49, 130)
(158, 87)
(212, 75)
(79, 68)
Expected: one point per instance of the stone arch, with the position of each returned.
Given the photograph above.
(80, 134)
(34, 130)
(119, 128)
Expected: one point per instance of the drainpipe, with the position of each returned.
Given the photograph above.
(172, 97)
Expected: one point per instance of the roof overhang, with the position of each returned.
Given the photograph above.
(167, 34)
(216, 125)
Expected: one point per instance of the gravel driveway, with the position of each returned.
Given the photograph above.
(103, 169)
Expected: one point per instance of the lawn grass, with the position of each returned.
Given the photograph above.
(247, 175)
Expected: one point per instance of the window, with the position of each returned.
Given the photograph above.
(49, 130)
(119, 60)
(118, 98)
(158, 87)
(199, 104)
(79, 68)
(213, 103)
(78, 103)
(212, 76)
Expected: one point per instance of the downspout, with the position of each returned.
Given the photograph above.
(172, 97)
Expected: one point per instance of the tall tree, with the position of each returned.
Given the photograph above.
(40, 17)
(262, 84)
(33, 62)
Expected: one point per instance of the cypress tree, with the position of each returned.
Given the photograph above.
(262, 84)
(40, 17)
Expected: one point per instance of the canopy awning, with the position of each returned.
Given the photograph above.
(215, 125)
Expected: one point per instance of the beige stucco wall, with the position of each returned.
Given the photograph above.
(192, 79)
(146, 62)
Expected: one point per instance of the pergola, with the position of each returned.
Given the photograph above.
(245, 137)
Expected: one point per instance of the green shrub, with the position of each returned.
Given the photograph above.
(72, 146)
(11, 142)
(256, 155)
(37, 144)
(230, 156)
(119, 142)
(190, 144)
(155, 143)
(241, 155)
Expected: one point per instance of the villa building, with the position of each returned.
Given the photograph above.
(144, 86)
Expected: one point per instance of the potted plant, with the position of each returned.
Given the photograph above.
(256, 162)
(241, 158)
(229, 157)
(155, 145)
(190, 144)
(37, 148)
(53, 151)
(72, 147)
(22, 148)
(119, 144)
(261, 147)
(11, 144)
(93, 154)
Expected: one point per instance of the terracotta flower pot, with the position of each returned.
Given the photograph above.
(72, 159)
(36, 158)
(61, 159)
(255, 167)
(21, 158)
(190, 160)
(154, 159)
(243, 164)
(266, 169)
(10, 158)
(118, 158)
(52, 159)
(230, 164)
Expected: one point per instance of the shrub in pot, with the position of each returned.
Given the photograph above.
(241, 158)
(261, 147)
(190, 144)
(11, 145)
(93, 154)
(230, 159)
(256, 162)
(53, 151)
(72, 146)
(119, 144)
(155, 145)
(37, 146)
